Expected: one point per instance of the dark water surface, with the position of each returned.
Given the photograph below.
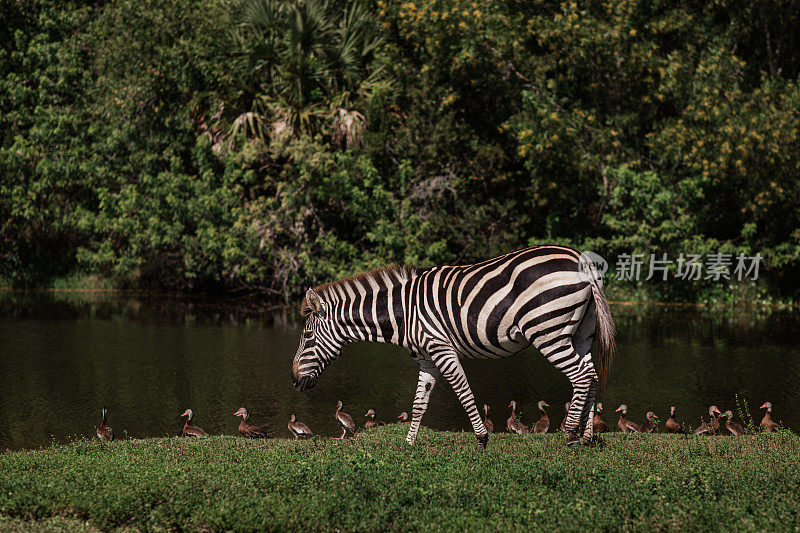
(62, 357)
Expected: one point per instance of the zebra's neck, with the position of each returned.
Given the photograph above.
(371, 307)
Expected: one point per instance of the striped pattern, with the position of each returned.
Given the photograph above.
(487, 310)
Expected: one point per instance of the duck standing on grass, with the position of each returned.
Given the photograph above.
(733, 427)
(766, 423)
(345, 420)
(649, 425)
(298, 429)
(672, 424)
(711, 427)
(251, 432)
(486, 421)
(190, 430)
(371, 422)
(625, 425)
(104, 431)
(597, 423)
(543, 424)
(514, 425)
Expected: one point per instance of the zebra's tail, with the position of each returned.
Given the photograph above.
(606, 331)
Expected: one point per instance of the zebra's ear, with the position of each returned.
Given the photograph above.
(314, 302)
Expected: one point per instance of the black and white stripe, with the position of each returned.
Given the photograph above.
(548, 296)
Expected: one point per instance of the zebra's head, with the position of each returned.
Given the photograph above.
(319, 343)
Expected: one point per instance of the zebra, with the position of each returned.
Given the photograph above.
(548, 296)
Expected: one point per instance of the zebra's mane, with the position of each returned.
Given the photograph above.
(388, 273)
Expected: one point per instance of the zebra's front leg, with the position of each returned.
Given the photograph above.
(450, 367)
(427, 379)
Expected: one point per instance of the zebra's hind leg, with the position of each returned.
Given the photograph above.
(580, 372)
(587, 420)
(427, 379)
(449, 365)
(582, 343)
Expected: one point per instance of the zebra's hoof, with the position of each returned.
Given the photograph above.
(572, 439)
(482, 441)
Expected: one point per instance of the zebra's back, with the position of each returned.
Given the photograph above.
(486, 308)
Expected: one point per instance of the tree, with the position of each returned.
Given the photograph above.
(301, 67)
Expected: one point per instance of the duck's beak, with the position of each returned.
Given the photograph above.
(655, 416)
(763, 406)
(618, 409)
(718, 411)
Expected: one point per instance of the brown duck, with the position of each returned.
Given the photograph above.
(543, 424)
(711, 427)
(486, 421)
(672, 424)
(514, 425)
(650, 424)
(298, 429)
(188, 429)
(597, 423)
(104, 432)
(345, 420)
(371, 422)
(251, 432)
(625, 425)
(732, 427)
(402, 418)
(766, 423)
(566, 413)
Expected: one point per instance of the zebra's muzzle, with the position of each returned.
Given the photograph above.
(304, 383)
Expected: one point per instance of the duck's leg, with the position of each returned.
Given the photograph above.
(427, 379)
(449, 365)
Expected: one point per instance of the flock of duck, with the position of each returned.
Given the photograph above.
(297, 428)
(650, 425)
(300, 431)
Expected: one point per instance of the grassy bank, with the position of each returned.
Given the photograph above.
(376, 482)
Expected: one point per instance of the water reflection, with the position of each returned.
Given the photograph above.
(64, 356)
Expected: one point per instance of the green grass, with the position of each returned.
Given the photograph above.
(376, 482)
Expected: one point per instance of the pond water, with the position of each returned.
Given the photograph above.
(63, 357)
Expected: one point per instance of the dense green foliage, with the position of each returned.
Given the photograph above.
(271, 144)
(377, 482)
